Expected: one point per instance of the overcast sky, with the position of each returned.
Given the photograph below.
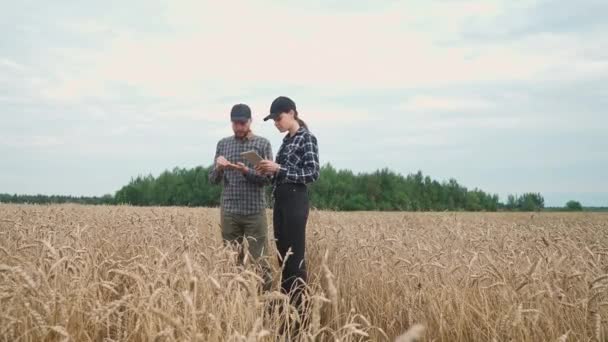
(507, 96)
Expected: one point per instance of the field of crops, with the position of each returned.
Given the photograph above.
(119, 273)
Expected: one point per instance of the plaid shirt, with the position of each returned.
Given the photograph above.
(298, 158)
(241, 194)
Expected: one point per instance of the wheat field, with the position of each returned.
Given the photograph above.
(120, 273)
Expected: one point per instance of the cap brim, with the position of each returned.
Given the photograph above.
(270, 116)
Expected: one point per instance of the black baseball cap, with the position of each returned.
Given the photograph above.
(240, 112)
(281, 104)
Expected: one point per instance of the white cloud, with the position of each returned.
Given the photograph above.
(120, 130)
(88, 27)
(33, 141)
(12, 65)
(375, 50)
(416, 140)
(445, 103)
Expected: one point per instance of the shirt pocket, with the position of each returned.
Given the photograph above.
(290, 150)
(233, 156)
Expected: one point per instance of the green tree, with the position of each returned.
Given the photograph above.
(335, 190)
(574, 206)
(531, 202)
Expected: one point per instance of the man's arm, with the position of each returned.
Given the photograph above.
(217, 172)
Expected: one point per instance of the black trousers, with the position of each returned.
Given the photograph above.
(290, 215)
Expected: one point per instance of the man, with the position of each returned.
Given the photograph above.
(243, 203)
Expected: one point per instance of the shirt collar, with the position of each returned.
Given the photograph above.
(298, 132)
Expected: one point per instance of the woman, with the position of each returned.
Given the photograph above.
(297, 164)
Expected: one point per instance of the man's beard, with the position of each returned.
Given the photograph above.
(241, 134)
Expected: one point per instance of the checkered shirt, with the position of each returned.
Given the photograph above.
(241, 194)
(298, 158)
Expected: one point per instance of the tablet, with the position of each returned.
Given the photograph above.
(252, 156)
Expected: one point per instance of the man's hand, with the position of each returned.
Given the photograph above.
(222, 163)
(267, 167)
(242, 168)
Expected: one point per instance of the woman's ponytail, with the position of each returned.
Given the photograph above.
(300, 121)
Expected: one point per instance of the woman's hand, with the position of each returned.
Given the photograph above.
(267, 167)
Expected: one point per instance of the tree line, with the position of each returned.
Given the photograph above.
(56, 199)
(344, 190)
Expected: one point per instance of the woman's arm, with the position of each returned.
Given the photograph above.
(258, 178)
